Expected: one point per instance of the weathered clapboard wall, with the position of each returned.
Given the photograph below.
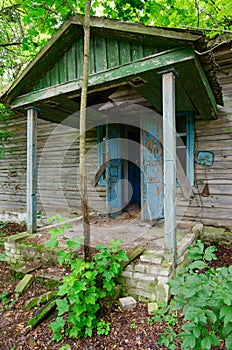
(13, 170)
(106, 52)
(58, 168)
(214, 136)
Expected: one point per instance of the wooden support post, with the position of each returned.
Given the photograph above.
(31, 169)
(169, 146)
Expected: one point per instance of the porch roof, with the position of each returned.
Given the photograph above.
(120, 53)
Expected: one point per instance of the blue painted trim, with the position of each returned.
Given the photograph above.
(190, 148)
(114, 169)
(36, 109)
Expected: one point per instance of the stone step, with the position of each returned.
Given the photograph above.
(23, 284)
(152, 257)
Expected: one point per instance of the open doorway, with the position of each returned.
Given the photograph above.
(133, 165)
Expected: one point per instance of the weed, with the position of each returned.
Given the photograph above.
(103, 328)
(4, 299)
(134, 326)
(81, 292)
(205, 298)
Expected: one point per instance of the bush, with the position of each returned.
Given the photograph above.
(81, 292)
(204, 295)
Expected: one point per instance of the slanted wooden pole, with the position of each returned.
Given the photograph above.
(83, 178)
(31, 169)
(169, 146)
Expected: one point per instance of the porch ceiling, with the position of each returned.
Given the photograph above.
(192, 88)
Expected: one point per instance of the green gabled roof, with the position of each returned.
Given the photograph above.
(114, 44)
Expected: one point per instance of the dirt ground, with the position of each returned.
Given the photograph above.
(129, 329)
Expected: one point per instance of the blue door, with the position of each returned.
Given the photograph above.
(114, 191)
(152, 167)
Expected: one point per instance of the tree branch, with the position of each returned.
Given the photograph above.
(10, 44)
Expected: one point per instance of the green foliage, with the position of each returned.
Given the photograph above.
(133, 326)
(56, 232)
(103, 328)
(81, 293)
(65, 347)
(4, 296)
(27, 25)
(168, 338)
(5, 301)
(2, 256)
(205, 298)
(164, 314)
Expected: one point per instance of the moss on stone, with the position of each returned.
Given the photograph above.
(17, 237)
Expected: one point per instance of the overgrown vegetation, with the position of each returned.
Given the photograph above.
(5, 302)
(81, 292)
(26, 25)
(204, 296)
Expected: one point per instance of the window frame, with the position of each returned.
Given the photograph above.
(189, 144)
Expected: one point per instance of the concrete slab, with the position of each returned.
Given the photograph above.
(127, 303)
(23, 284)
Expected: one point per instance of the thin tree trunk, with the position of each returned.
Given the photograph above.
(84, 92)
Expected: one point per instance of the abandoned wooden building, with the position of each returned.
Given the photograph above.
(153, 94)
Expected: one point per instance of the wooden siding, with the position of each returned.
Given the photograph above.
(214, 136)
(105, 53)
(58, 169)
(58, 163)
(13, 169)
(224, 60)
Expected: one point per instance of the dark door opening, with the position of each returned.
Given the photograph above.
(134, 178)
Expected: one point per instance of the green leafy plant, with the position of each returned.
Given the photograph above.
(168, 338)
(4, 296)
(57, 231)
(205, 298)
(6, 302)
(103, 328)
(2, 256)
(81, 293)
(164, 314)
(65, 347)
(134, 326)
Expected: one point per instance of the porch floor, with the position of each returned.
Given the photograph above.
(128, 228)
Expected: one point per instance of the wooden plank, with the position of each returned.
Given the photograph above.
(80, 57)
(169, 149)
(31, 170)
(218, 201)
(70, 68)
(54, 75)
(92, 69)
(100, 53)
(202, 99)
(167, 33)
(152, 91)
(149, 50)
(112, 53)
(62, 69)
(124, 52)
(157, 61)
(136, 51)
